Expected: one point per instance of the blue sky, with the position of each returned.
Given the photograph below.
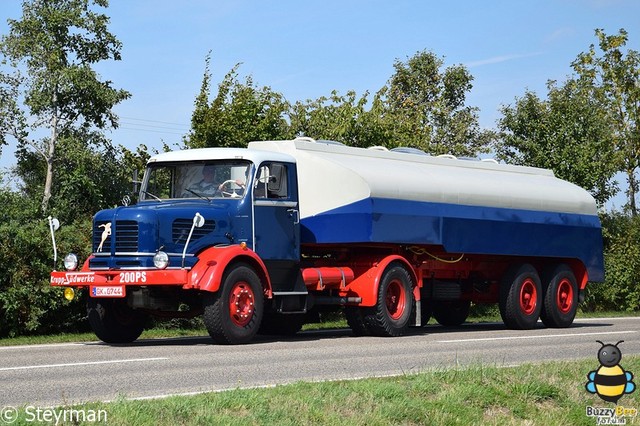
(306, 49)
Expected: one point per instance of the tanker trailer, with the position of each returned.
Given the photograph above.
(440, 233)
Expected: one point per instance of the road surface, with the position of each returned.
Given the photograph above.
(58, 374)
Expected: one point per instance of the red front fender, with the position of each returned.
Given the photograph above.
(366, 285)
(207, 274)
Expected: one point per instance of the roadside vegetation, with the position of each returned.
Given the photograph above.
(531, 394)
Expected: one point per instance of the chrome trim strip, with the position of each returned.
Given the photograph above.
(275, 203)
(138, 254)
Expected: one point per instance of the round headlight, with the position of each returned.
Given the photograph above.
(161, 260)
(70, 262)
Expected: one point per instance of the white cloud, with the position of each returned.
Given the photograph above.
(499, 59)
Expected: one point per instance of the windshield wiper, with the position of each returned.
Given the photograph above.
(151, 195)
(198, 195)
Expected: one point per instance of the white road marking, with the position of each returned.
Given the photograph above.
(46, 345)
(75, 364)
(547, 336)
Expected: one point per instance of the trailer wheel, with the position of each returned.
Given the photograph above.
(356, 320)
(451, 313)
(392, 312)
(560, 298)
(233, 314)
(281, 324)
(520, 297)
(113, 321)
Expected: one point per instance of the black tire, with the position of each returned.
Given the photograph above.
(113, 321)
(355, 319)
(281, 324)
(520, 297)
(392, 313)
(426, 307)
(233, 314)
(560, 302)
(451, 313)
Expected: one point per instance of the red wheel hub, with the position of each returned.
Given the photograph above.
(564, 296)
(241, 303)
(528, 297)
(396, 299)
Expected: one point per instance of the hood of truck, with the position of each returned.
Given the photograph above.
(129, 236)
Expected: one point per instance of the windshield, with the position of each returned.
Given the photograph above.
(205, 180)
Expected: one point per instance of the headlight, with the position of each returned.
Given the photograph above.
(71, 262)
(161, 260)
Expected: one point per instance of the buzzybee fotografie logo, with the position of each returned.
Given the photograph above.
(610, 382)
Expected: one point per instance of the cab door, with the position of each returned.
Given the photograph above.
(277, 222)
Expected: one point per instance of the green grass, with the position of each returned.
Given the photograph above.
(532, 394)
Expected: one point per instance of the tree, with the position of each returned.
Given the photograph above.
(239, 113)
(342, 118)
(568, 133)
(51, 51)
(615, 81)
(426, 107)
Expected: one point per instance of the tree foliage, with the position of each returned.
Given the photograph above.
(621, 289)
(426, 107)
(421, 106)
(568, 133)
(239, 113)
(614, 79)
(343, 118)
(51, 51)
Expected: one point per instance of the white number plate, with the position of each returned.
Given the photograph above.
(108, 291)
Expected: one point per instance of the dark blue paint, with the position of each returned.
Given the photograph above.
(463, 229)
(155, 220)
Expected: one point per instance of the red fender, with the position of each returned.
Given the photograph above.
(366, 285)
(207, 274)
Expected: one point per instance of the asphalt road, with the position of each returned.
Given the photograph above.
(48, 375)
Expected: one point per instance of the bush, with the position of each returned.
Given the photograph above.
(621, 289)
(28, 304)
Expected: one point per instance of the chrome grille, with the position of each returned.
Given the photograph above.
(126, 234)
(181, 227)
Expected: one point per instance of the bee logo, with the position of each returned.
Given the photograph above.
(610, 381)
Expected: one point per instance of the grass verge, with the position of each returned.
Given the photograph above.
(532, 394)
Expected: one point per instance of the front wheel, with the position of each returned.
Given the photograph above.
(234, 313)
(113, 321)
(392, 312)
(560, 298)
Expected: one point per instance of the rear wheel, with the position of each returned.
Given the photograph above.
(520, 297)
(392, 312)
(560, 298)
(233, 314)
(113, 321)
(451, 313)
(356, 320)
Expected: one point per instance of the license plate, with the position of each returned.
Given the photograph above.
(108, 291)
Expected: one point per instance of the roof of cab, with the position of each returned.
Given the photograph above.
(203, 154)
